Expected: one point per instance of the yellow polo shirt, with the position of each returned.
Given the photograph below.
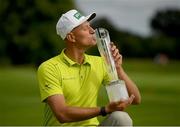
(79, 83)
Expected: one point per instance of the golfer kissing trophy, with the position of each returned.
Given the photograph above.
(116, 89)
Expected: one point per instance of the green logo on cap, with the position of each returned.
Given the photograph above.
(77, 15)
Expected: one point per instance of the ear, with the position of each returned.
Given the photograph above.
(70, 37)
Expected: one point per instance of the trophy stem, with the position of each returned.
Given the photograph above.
(103, 43)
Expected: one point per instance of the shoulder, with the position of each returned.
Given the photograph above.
(49, 64)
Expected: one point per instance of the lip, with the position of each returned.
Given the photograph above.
(94, 37)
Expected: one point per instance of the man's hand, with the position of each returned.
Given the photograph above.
(116, 55)
(130, 85)
(119, 105)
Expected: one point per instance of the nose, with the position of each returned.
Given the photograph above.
(92, 31)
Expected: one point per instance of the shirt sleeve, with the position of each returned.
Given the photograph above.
(49, 81)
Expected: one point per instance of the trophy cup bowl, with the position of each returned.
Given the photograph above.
(116, 89)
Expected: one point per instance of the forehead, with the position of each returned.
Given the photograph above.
(84, 24)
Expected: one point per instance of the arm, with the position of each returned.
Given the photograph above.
(66, 113)
(131, 86)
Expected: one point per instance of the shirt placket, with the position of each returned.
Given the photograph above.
(81, 74)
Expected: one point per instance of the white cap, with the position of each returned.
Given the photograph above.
(69, 21)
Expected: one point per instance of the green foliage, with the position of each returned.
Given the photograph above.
(132, 45)
(28, 33)
(167, 22)
(159, 86)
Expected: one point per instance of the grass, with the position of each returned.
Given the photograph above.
(19, 97)
(159, 86)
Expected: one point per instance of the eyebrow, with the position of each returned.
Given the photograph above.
(83, 25)
(87, 24)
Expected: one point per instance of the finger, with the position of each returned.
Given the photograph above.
(121, 101)
(115, 52)
(113, 47)
(117, 103)
(118, 57)
(118, 61)
(131, 99)
(120, 108)
(114, 103)
(111, 43)
(132, 96)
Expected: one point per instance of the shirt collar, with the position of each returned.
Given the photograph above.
(70, 62)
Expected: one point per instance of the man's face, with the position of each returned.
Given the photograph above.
(84, 35)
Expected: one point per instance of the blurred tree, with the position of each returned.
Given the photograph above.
(27, 29)
(129, 44)
(167, 22)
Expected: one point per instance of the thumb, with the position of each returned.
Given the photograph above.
(131, 99)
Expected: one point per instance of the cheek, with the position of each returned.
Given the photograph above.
(83, 38)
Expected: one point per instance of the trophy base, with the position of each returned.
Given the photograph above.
(117, 91)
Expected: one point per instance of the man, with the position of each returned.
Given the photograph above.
(70, 82)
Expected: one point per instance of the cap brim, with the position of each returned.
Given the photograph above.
(91, 16)
(88, 18)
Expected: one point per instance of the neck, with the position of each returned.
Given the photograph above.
(76, 55)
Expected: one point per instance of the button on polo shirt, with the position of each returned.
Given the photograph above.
(79, 83)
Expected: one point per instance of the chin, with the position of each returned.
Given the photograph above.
(91, 45)
(94, 42)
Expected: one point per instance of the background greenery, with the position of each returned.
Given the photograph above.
(28, 34)
(28, 37)
(159, 86)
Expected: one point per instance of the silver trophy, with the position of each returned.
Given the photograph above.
(116, 89)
